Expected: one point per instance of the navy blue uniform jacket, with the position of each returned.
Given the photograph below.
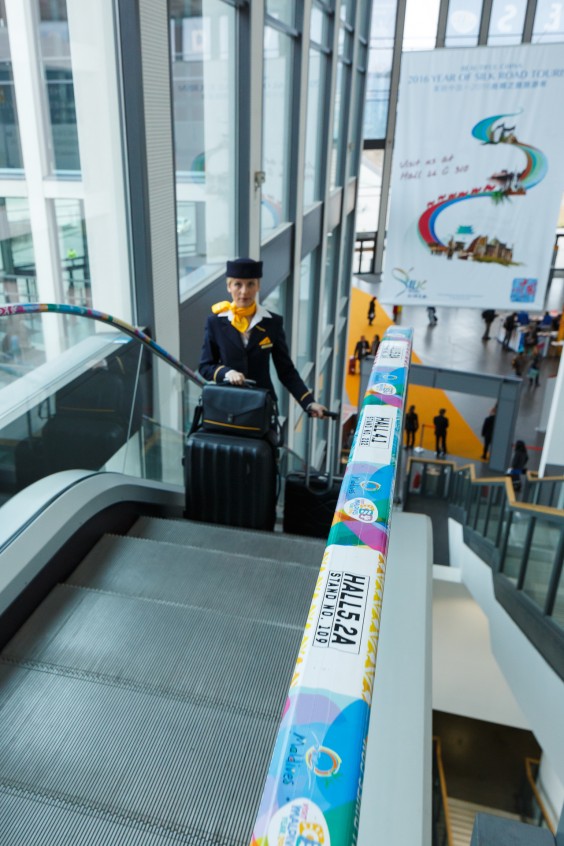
(223, 350)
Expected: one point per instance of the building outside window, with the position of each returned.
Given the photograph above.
(10, 149)
(55, 53)
(204, 75)
(277, 128)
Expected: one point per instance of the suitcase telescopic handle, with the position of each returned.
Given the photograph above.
(331, 415)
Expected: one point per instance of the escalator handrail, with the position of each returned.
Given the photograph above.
(91, 314)
(443, 787)
(317, 766)
(529, 762)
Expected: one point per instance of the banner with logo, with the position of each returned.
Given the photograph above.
(314, 783)
(477, 177)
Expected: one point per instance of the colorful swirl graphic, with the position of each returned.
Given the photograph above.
(314, 757)
(489, 131)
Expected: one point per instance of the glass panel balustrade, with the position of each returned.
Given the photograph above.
(545, 542)
(558, 608)
(519, 525)
(105, 402)
(495, 514)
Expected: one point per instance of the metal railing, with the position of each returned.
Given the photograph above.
(522, 541)
(538, 811)
(442, 830)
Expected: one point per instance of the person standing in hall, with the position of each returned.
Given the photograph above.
(534, 370)
(509, 325)
(487, 431)
(371, 311)
(441, 426)
(362, 349)
(488, 316)
(411, 427)
(374, 345)
(432, 315)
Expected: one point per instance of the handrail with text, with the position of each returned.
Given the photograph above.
(313, 789)
(92, 314)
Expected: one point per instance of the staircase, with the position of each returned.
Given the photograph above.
(140, 702)
(462, 819)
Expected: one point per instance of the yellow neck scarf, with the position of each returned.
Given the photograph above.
(240, 315)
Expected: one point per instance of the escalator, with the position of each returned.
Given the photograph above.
(164, 681)
(141, 700)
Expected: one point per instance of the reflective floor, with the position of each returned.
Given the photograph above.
(456, 341)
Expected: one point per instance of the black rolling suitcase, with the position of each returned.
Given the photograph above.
(310, 499)
(230, 480)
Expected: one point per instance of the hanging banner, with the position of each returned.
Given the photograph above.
(477, 177)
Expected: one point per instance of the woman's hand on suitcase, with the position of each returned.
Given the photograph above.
(315, 409)
(234, 377)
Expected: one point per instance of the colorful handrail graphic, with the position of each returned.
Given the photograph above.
(314, 783)
(102, 317)
(503, 185)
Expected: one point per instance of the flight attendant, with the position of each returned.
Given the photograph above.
(242, 337)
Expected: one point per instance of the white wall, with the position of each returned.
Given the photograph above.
(553, 448)
(538, 691)
(466, 677)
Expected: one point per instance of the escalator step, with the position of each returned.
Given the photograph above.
(273, 545)
(167, 766)
(173, 650)
(243, 586)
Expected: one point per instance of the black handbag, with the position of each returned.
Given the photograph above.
(243, 411)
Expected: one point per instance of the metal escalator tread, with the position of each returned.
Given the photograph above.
(243, 586)
(174, 651)
(139, 704)
(162, 765)
(273, 545)
(29, 820)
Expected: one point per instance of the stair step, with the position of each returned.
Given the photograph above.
(462, 813)
(274, 545)
(240, 585)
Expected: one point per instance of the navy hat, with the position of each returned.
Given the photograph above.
(244, 268)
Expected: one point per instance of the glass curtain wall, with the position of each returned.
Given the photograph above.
(55, 53)
(276, 128)
(10, 148)
(16, 251)
(506, 23)
(320, 136)
(64, 229)
(342, 93)
(549, 22)
(204, 82)
(318, 79)
(463, 23)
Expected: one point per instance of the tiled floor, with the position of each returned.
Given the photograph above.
(456, 339)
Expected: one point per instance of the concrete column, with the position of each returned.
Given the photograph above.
(504, 429)
(553, 449)
(157, 103)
